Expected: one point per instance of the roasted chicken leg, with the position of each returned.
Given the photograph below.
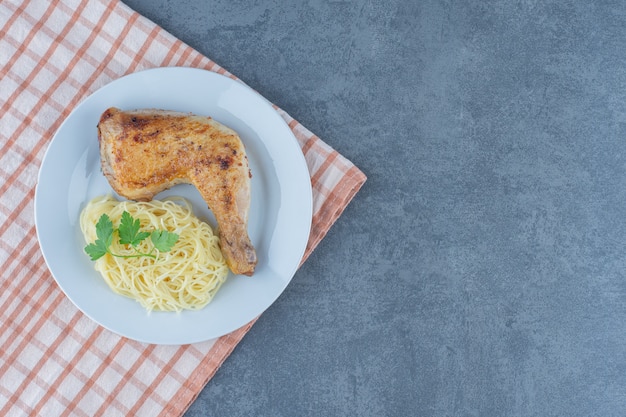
(144, 152)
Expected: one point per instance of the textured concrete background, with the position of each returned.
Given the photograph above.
(481, 270)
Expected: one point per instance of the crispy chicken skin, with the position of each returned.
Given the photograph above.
(144, 152)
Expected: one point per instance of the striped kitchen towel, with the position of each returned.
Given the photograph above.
(54, 361)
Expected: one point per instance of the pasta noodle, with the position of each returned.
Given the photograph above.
(185, 278)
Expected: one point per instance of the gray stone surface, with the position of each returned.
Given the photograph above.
(481, 269)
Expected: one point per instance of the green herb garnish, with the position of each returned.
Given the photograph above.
(128, 234)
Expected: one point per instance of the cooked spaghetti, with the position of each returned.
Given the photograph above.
(185, 278)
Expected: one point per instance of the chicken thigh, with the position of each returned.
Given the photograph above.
(144, 152)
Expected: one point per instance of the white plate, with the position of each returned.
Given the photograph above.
(279, 220)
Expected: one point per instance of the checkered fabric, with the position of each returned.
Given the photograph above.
(54, 361)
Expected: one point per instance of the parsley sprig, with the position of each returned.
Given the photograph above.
(128, 234)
